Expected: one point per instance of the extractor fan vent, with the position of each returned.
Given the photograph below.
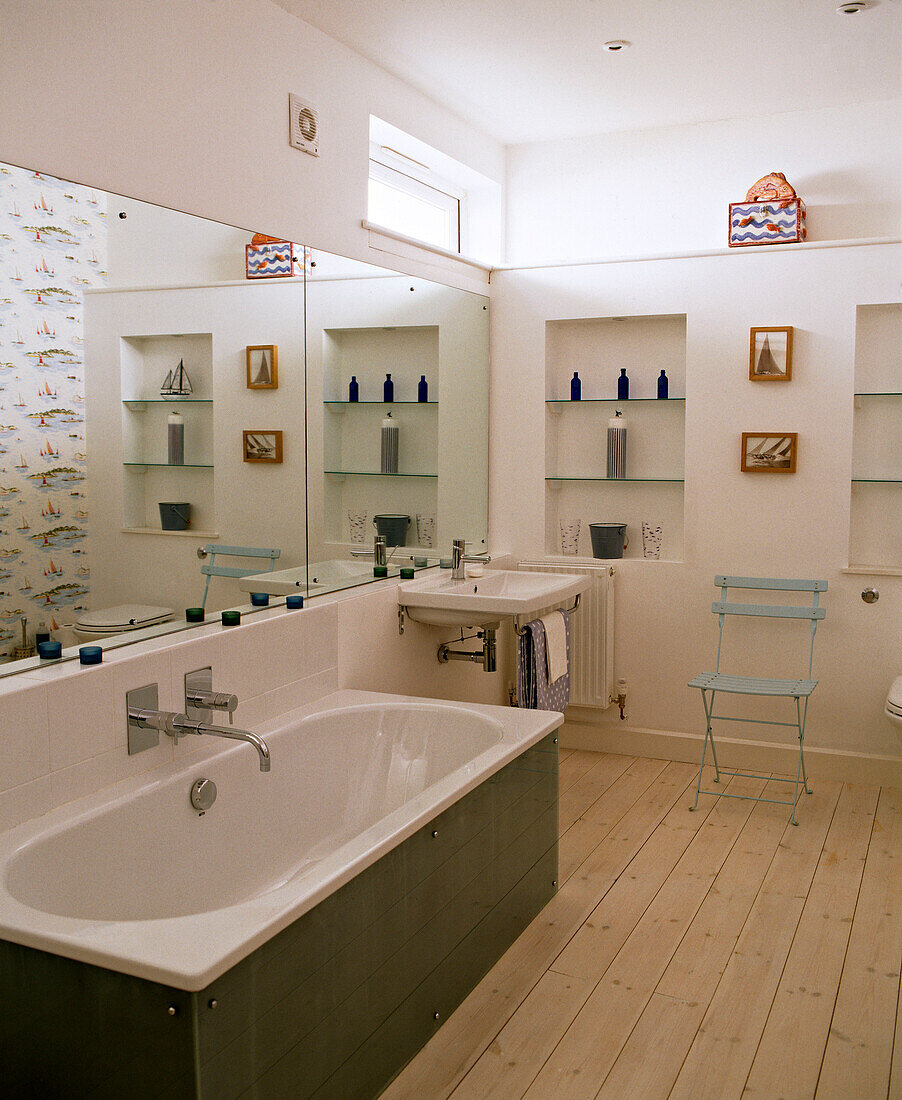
(304, 132)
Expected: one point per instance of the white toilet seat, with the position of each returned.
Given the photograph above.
(118, 620)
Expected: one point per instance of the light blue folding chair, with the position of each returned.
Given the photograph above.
(710, 683)
(211, 569)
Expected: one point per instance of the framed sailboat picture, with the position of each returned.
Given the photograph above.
(769, 452)
(263, 446)
(263, 367)
(770, 354)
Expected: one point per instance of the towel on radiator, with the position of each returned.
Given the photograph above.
(535, 691)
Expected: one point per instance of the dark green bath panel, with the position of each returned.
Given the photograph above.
(332, 1007)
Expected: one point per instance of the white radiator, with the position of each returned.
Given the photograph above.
(591, 633)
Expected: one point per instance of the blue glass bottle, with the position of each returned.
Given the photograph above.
(662, 386)
(353, 389)
(423, 389)
(388, 389)
(623, 386)
(576, 387)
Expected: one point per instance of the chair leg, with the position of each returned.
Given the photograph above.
(801, 776)
(709, 735)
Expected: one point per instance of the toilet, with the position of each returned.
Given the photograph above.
(893, 709)
(108, 621)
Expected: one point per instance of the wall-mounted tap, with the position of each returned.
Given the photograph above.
(146, 723)
(200, 698)
(459, 557)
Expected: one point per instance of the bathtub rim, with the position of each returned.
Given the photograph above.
(189, 952)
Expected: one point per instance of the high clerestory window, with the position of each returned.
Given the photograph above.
(409, 198)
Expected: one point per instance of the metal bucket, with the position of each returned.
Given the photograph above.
(175, 515)
(608, 539)
(394, 526)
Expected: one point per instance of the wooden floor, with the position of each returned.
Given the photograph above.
(721, 953)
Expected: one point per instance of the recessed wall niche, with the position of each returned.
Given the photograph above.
(576, 481)
(875, 518)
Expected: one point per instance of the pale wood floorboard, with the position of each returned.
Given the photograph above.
(722, 953)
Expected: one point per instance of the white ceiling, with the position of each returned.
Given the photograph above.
(536, 70)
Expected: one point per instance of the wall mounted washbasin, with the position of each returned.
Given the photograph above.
(498, 594)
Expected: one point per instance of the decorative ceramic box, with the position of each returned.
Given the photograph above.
(269, 258)
(771, 214)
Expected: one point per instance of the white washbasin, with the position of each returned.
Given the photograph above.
(499, 593)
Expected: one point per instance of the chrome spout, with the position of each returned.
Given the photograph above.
(459, 557)
(182, 725)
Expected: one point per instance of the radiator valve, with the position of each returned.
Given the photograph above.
(620, 698)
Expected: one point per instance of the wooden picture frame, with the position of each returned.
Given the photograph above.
(770, 354)
(262, 446)
(769, 452)
(262, 366)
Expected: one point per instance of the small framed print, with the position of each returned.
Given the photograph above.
(262, 367)
(770, 354)
(263, 446)
(769, 452)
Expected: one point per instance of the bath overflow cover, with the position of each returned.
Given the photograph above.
(203, 795)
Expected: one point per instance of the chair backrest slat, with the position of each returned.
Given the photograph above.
(812, 612)
(773, 584)
(211, 569)
(242, 551)
(768, 611)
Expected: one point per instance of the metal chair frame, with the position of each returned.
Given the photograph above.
(211, 569)
(710, 683)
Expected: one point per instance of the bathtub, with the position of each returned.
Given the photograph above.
(376, 807)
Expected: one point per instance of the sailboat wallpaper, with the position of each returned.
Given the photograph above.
(53, 244)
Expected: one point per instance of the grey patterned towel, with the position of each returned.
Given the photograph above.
(534, 692)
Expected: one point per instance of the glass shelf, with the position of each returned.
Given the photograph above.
(608, 400)
(876, 481)
(879, 393)
(329, 401)
(372, 473)
(174, 465)
(615, 480)
(139, 402)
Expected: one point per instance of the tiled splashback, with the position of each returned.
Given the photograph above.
(63, 727)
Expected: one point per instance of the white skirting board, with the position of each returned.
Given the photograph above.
(763, 756)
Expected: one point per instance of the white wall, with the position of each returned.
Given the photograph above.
(796, 525)
(650, 192)
(185, 104)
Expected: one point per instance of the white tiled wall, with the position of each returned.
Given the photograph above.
(63, 727)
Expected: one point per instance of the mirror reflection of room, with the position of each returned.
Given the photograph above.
(125, 335)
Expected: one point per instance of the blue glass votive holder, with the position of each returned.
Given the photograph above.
(260, 599)
(294, 603)
(90, 655)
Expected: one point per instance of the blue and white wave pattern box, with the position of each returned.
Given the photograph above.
(272, 260)
(767, 223)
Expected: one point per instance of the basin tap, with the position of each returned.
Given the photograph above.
(182, 724)
(458, 558)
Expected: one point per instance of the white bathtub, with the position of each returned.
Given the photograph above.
(133, 879)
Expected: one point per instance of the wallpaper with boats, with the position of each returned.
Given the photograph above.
(52, 246)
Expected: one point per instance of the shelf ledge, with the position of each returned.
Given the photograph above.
(371, 473)
(195, 534)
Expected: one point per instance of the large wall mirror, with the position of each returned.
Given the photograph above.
(154, 399)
